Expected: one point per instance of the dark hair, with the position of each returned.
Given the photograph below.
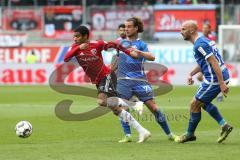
(33, 52)
(208, 25)
(137, 22)
(121, 26)
(83, 30)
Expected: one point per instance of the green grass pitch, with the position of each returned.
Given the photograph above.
(54, 139)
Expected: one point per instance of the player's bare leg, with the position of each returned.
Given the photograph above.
(102, 99)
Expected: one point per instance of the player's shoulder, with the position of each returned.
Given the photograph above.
(202, 46)
(212, 37)
(119, 40)
(201, 42)
(140, 41)
(72, 46)
(96, 43)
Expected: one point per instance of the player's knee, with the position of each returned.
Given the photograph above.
(152, 106)
(102, 102)
(195, 106)
(112, 102)
(116, 110)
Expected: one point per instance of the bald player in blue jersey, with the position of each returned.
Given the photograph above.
(216, 78)
(132, 79)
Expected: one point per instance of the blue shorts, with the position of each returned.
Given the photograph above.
(141, 89)
(207, 92)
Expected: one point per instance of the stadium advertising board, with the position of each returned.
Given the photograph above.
(179, 60)
(12, 40)
(22, 20)
(38, 74)
(168, 19)
(44, 54)
(109, 19)
(165, 54)
(59, 21)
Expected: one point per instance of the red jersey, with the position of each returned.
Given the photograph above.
(211, 37)
(90, 60)
(118, 40)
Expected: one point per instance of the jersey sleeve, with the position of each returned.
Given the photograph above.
(144, 47)
(118, 47)
(72, 51)
(205, 50)
(101, 44)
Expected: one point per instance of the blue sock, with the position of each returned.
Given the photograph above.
(193, 122)
(160, 118)
(214, 113)
(126, 127)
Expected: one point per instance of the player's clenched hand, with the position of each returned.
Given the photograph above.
(134, 53)
(83, 46)
(110, 45)
(224, 89)
(190, 80)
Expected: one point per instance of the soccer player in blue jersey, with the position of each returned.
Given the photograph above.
(216, 78)
(132, 79)
(206, 31)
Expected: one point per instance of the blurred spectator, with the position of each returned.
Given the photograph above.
(206, 30)
(188, 1)
(121, 2)
(174, 2)
(99, 2)
(159, 1)
(139, 2)
(31, 58)
(110, 2)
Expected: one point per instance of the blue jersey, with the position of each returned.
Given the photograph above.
(203, 49)
(130, 68)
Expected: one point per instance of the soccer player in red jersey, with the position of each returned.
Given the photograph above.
(90, 59)
(206, 30)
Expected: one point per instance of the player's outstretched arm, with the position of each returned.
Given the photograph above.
(129, 51)
(214, 63)
(71, 52)
(148, 55)
(117, 46)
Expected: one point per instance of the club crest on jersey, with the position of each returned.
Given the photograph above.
(134, 47)
(94, 51)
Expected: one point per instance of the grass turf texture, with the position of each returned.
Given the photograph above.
(53, 138)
